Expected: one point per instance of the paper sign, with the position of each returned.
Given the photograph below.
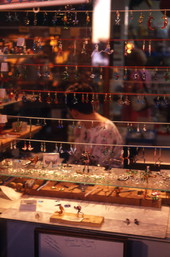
(3, 118)
(21, 41)
(2, 92)
(4, 66)
(10, 193)
(28, 205)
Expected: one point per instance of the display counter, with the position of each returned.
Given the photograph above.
(152, 222)
(152, 229)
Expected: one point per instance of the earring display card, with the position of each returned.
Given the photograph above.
(51, 159)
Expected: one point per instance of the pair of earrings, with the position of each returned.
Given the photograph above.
(59, 148)
(13, 145)
(127, 221)
(149, 47)
(43, 147)
(60, 124)
(27, 146)
(72, 150)
(38, 123)
(151, 19)
(126, 101)
(107, 98)
(35, 20)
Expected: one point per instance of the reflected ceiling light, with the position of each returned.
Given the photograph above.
(101, 21)
(130, 46)
(126, 20)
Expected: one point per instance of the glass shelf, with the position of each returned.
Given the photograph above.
(97, 175)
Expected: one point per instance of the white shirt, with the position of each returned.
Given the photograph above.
(103, 133)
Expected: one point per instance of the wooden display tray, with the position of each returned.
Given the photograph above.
(101, 194)
(73, 218)
(96, 193)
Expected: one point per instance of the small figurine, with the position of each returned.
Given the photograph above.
(34, 160)
(127, 221)
(86, 161)
(61, 209)
(37, 216)
(78, 208)
(136, 221)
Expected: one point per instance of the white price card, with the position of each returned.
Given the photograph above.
(21, 41)
(4, 67)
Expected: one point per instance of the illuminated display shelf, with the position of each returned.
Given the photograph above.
(115, 177)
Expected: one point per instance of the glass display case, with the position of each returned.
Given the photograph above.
(44, 51)
(49, 182)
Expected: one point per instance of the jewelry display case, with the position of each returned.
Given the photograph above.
(35, 72)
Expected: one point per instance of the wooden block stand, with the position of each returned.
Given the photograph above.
(73, 218)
